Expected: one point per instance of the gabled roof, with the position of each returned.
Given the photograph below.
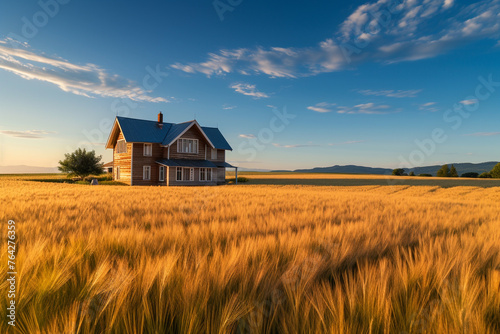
(143, 131)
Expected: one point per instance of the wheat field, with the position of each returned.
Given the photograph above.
(253, 259)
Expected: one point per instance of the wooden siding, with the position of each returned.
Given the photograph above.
(140, 161)
(192, 133)
(122, 160)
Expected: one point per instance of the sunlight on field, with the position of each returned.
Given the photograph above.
(254, 259)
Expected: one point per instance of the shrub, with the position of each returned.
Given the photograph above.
(470, 174)
(426, 175)
(495, 172)
(412, 174)
(81, 163)
(398, 172)
(485, 175)
(444, 171)
(241, 179)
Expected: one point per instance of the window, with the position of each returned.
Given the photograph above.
(179, 174)
(148, 150)
(118, 172)
(162, 173)
(121, 146)
(205, 174)
(214, 154)
(187, 146)
(146, 173)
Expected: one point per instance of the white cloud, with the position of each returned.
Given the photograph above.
(366, 108)
(469, 102)
(248, 136)
(483, 134)
(249, 90)
(87, 80)
(429, 106)
(228, 107)
(322, 107)
(391, 93)
(31, 134)
(293, 146)
(415, 30)
(348, 142)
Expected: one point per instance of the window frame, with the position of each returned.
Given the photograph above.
(161, 174)
(207, 174)
(144, 176)
(181, 146)
(147, 152)
(177, 170)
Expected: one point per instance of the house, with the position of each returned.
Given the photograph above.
(108, 167)
(169, 154)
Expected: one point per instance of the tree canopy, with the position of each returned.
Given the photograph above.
(81, 163)
(444, 171)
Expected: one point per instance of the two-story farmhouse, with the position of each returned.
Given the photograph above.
(158, 153)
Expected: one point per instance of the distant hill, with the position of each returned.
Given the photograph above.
(353, 169)
(23, 169)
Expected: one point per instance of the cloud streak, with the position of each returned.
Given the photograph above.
(391, 93)
(322, 107)
(366, 108)
(249, 90)
(483, 134)
(29, 134)
(382, 31)
(86, 80)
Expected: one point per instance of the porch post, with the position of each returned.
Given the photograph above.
(236, 175)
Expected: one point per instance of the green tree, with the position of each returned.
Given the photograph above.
(495, 172)
(453, 171)
(485, 175)
(398, 171)
(412, 173)
(444, 171)
(470, 174)
(81, 163)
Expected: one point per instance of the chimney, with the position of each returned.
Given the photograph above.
(160, 118)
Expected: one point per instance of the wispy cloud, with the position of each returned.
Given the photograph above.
(228, 107)
(483, 134)
(469, 102)
(366, 108)
(391, 93)
(416, 30)
(87, 80)
(293, 146)
(30, 134)
(248, 136)
(322, 107)
(347, 142)
(429, 106)
(249, 90)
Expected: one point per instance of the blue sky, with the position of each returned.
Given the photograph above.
(290, 84)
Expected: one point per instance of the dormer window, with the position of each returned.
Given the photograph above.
(148, 150)
(187, 146)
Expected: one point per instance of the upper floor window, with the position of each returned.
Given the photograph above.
(187, 145)
(121, 146)
(148, 150)
(214, 154)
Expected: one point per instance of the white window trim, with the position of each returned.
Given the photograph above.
(179, 145)
(207, 171)
(148, 152)
(177, 173)
(160, 177)
(148, 176)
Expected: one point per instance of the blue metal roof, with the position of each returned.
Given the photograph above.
(143, 131)
(216, 138)
(175, 130)
(186, 163)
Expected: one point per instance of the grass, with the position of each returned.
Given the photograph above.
(253, 259)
